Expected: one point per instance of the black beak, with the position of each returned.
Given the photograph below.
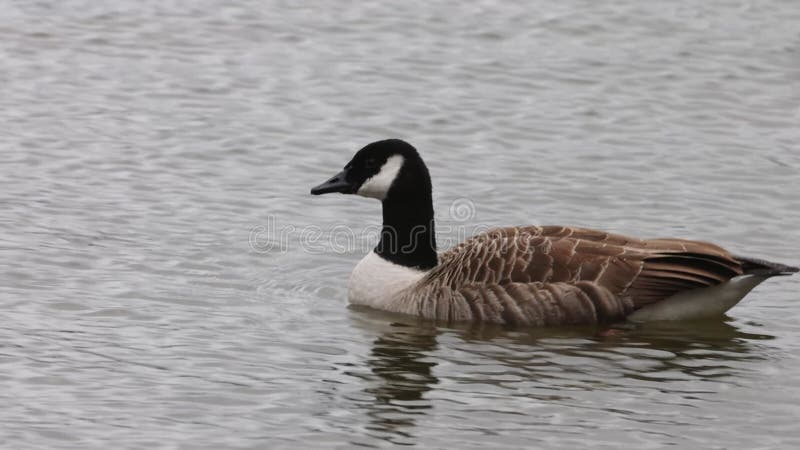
(337, 183)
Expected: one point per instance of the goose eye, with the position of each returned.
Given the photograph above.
(370, 163)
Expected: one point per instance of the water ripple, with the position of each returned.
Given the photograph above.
(144, 141)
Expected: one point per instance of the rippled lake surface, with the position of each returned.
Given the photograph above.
(166, 281)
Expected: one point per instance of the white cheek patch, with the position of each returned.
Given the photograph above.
(378, 185)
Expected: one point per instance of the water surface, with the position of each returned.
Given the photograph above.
(157, 288)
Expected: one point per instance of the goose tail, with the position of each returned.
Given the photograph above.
(754, 266)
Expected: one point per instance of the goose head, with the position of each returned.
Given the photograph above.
(386, 170)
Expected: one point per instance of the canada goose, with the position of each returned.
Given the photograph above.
(530, 275)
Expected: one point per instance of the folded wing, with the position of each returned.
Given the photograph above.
(560, 275)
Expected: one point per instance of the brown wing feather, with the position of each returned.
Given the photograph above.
(527, 304)
(554, 274)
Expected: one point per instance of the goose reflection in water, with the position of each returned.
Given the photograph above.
(637, 350)
(545, 370)
(403, 363)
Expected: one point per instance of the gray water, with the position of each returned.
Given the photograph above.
(160, 286)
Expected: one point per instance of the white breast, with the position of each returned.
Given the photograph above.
(375, 282)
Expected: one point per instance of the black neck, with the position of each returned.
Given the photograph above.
(408, 235)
